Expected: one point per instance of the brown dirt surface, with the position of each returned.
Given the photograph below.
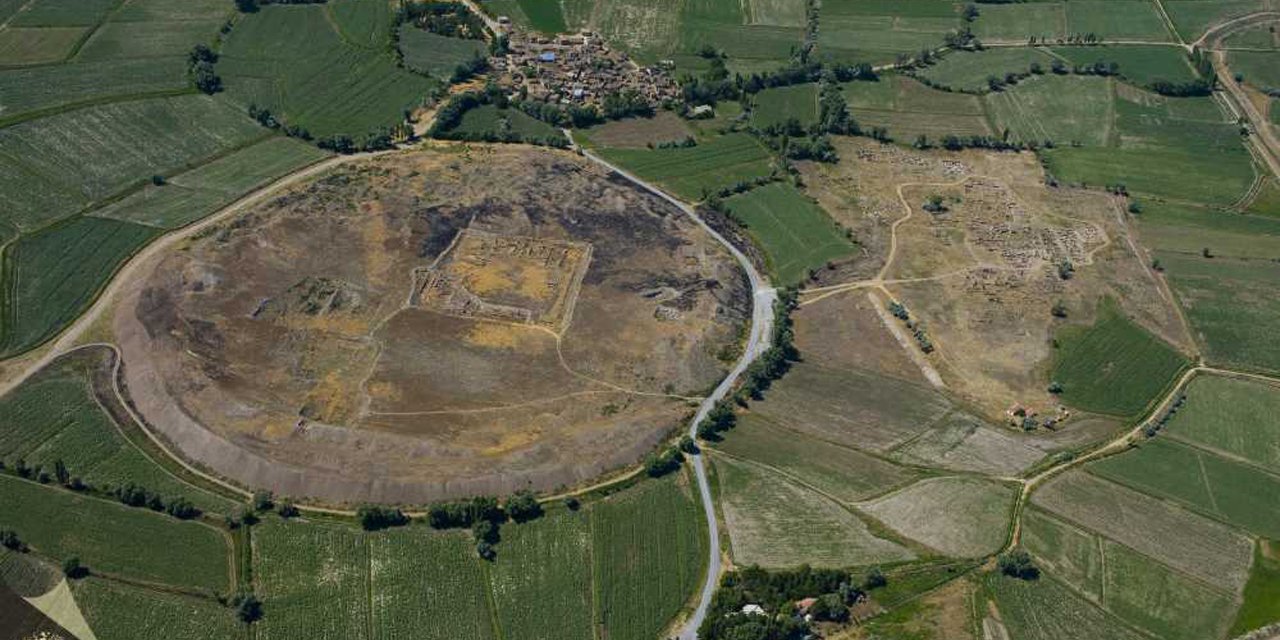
(637, 133)
(983, 275)
(846, 332)
(427, 325)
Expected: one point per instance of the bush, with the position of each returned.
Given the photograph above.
(9, 539)
(660, 464)
(1017, 564)
(523, 506)
(182, 509)
(248, 608)
(286, 509)
(263, 500)
(375, 517)
(72, 569)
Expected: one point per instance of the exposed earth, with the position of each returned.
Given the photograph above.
(426, 325)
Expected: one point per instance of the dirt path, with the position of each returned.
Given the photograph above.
(1263, 136)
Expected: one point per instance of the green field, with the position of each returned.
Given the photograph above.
(190, 196)
(1046, 610)
(1017, 22)
(24, 92)
(1205, 549)
(57, 13)
(54, 416)
(541, 579)
(842, 473)
(777, 523)
(968, 71)
(693, 172)
(795, 233)
(489, 118)
(783, 104)
(1261, 605)
(1075, 110)
(51, 276)
(427, 585)
(313, 579)
(1114, 366)
(1111, 20)
(111, 538)
(436, 55)
(1064, 551)
(1140, 65)
(1193, 17)
(959, 517)
(907, 108)
(1234, 492)
(38, 45)
(1168, 604)
(1261, 36)
(294, 61)
(1260, 68)
(1267, 201)
(727, 25)
(132, 40)
(543, 16)
(1233, 416)
(1188, 230)
(649, 550)
(876, 31)
(118, 611)
(1229, 303)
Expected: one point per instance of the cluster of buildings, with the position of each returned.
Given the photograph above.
(576, 69)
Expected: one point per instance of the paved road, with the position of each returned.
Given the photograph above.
(763, 296)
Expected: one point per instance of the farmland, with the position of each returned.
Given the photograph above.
(777, 523)
(27, 91)
(1138, 64)
(1261, 605)
(1047, 610)
(436, 55)
(1227, 303)
(1260, 68)
(1061, 109)
(965, 71)
(1232, 416)
(690, 173)
(422, 580)
(959, 517)
(1069, 554)
(877, 32)
(907, 108)
(490, 119)
(963, 443)
(112, 538)
(1166, 603)
(1114, 366)
(302, 570)
(781, 105)
(796, 234)
(116, 611)
(294, 61)
(532, 602)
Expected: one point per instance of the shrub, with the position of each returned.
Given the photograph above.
(523, 506)
(287, 509)
(72, 569)
(248, 608)
(375, 517)
(1017, 564)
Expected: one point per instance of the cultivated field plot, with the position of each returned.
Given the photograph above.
(313, 578)
(557, 293)
(325, 68)
(490, 119)
(741, 31)
(148, 39)
(960, 516)
(1239, 494)
(541, 580)
(1114, 366)
(116, 611)
(1064, 110)
(1018, 22)
(1261, 600)
(692, 173)
(1168, 604)
(638, 133)
(54, 416)
(784, 104)
(429, 585)
(1188, 230)
(192, 195)
(1228, 302)
(839, 472)
(907, 109)
(97, 151)
(52, 13)
(1064, 551)
(109, 537)
(1261, 36)
(964, 443)
(1260, 68)
(1193, 17)
(51, 276)
(798, 237)
(1046, 610)
(434, 54)
(1138, 64)
(1134, 21)
(24, 92)
(966, 71)
(851, 407)
(40, 45)
(777, 523)
(877, 31)
(1207, 550)
(1234, 416)
(846, 332)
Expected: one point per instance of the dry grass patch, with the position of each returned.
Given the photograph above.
(962, 517)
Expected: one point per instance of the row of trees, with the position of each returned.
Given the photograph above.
(129, 494)
(776, 592)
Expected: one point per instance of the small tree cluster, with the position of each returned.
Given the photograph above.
(9, 539)
(1017, 564)
(523, 506)
(201, 60)
(460, 514)
(661, 463)
(374, 517)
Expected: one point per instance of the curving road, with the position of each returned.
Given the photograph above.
(763, 298)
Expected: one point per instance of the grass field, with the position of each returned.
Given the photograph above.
(192, 195)
(26, 91)
(39, 45)
(1260, 68)
(1188, 230)
(964, 443)
(436, 55)
(1267, 202)
(690, 173)
(1064, 551)
(1046, 610)
(795, 233)
(840, 472)
(1114, 366)
(533, 602)
(294, 61)
(92, 153)
(427, 585)
(783, 104)
(54, 416)
(133, 40)
(1074, 110)
(1229, 304)
(1261, 603)
(55, 13)
(1166, 603)
(850, 407)
(1213, 552)
(112, 538)
(1019, 21)
(1233, 416)
(877, 32)
(637, 133)
(908, 109)
(776, 523)
(960, 516)
(649, 551)
(117, 611)
(489, 118)
(965, 71)
(543, 16)
(1128, 21)
(313, 579)
(1230, 491)
(52, 275)
(1139, 64)
(1193, 17)
(727, 25)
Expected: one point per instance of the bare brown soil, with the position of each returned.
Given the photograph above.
(433, 324)
(665, 126)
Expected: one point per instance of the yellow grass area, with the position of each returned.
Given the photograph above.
(60, 606)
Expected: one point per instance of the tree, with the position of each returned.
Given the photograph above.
(1055, 387)
(182, 509)
(523, 506)
(72, 569)
(874, 579)
(248, 608)
(935, 204)
(286, 509)
(571, 503)
(688, 445)
(60, 471)
(9, 539)
(374, 517)
(263, 501)
(1017, 564)
(1059, 309)
(246, 6)
(829, 607)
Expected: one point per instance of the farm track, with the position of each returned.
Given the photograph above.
(1263, 137)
